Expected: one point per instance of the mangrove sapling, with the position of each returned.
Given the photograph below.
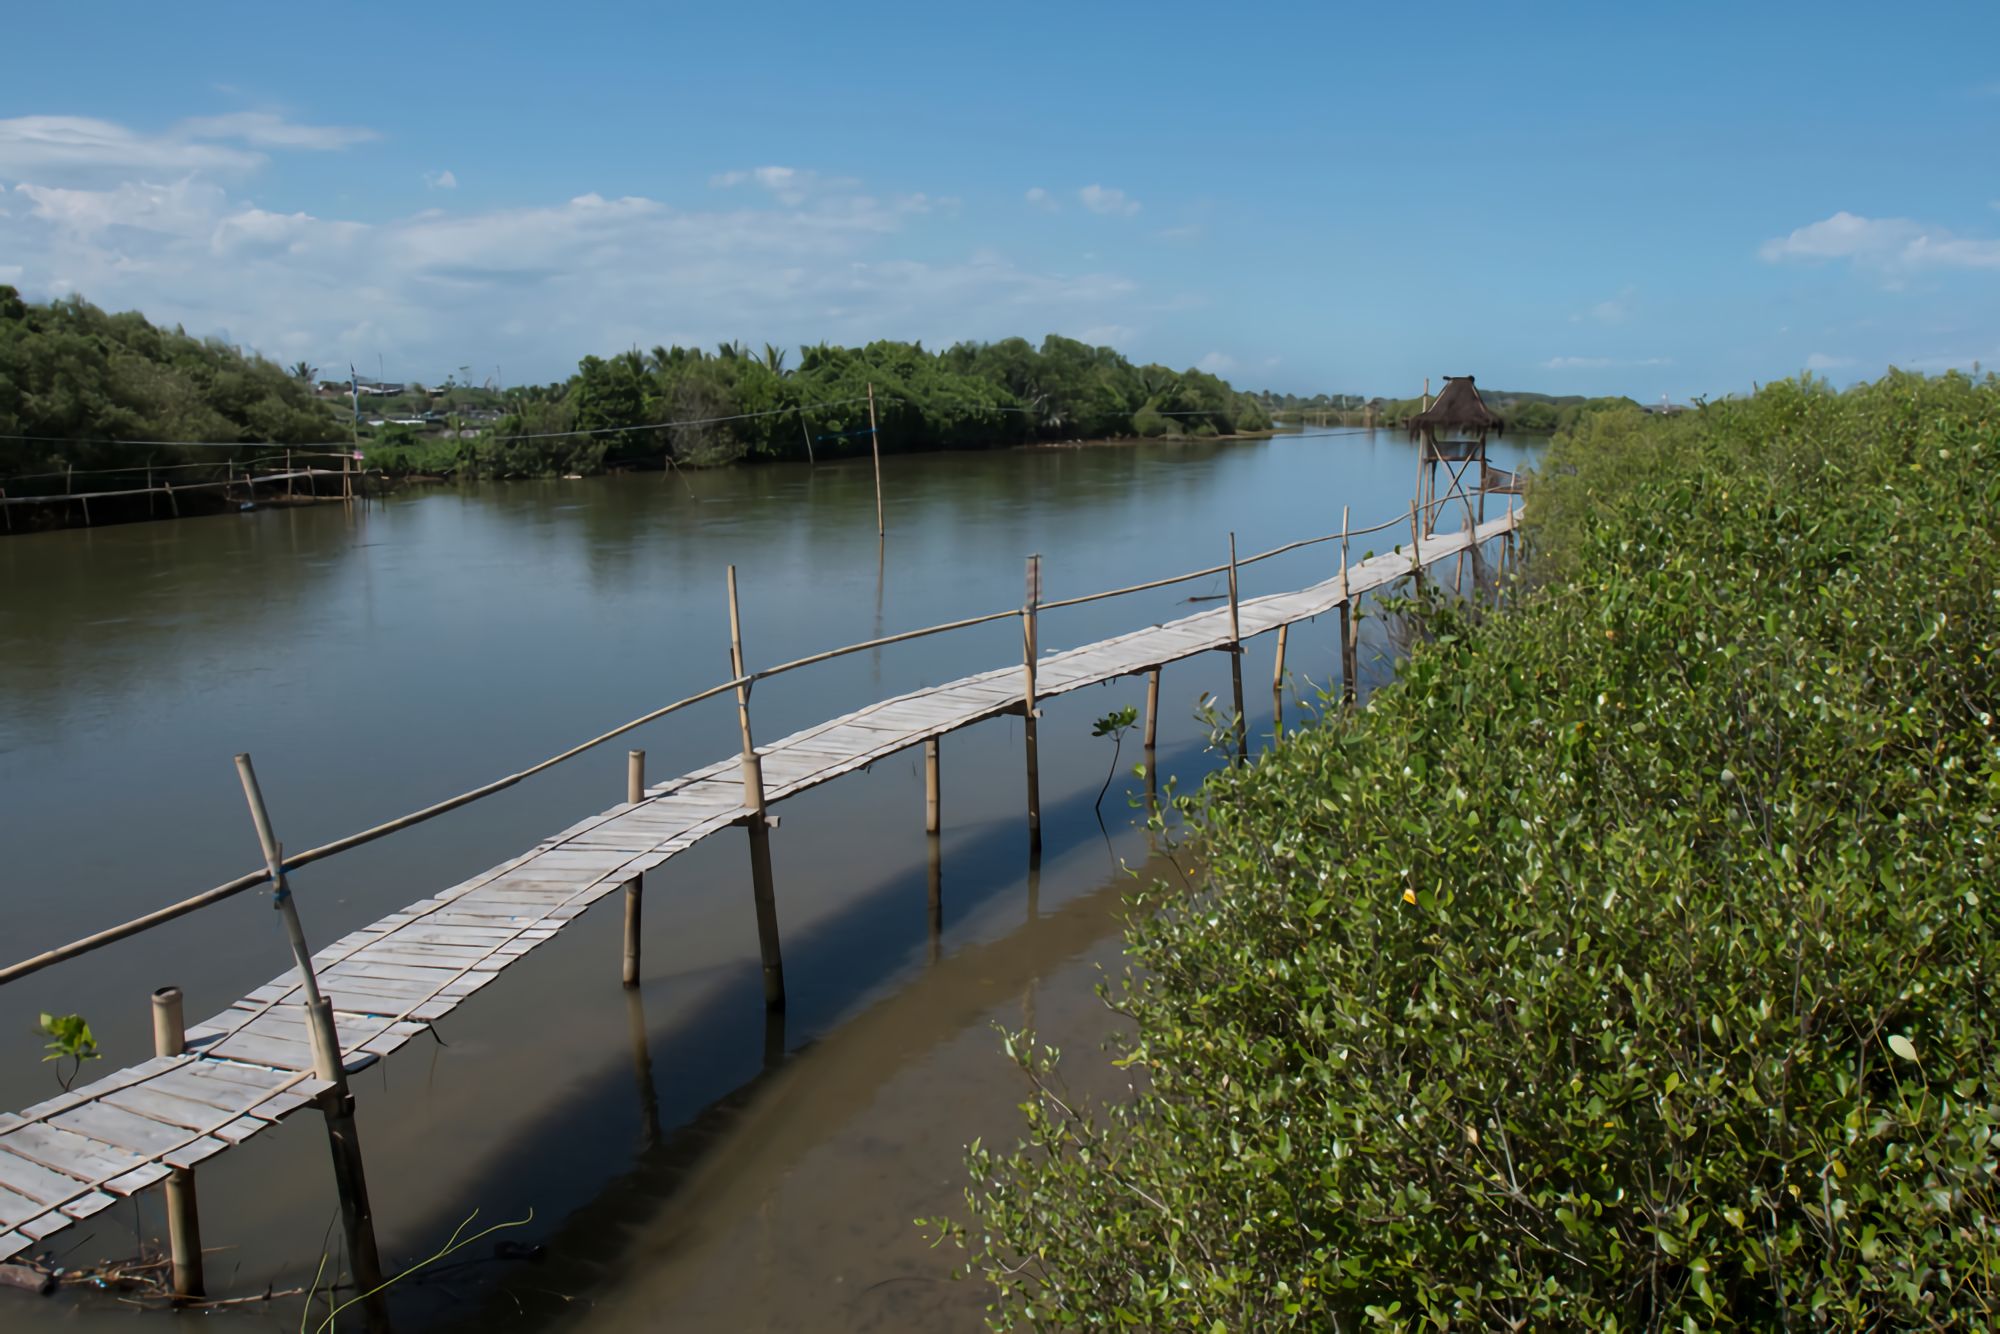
(1114, 725)
(70, 1039)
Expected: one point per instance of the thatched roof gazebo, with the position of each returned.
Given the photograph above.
(1451, 433)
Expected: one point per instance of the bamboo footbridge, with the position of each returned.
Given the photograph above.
(292, 1043)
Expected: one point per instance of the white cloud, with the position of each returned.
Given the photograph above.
(1112, 203)
(1602, 363)
(536, 287)
(1820, 361)
(1217, 363)
(267, 129)
(1193, 231)
(790, 186)
(80, 149)
(1108, 335)
(1042, 199)
(1614, 310)
(440, 180)
(1891, 245)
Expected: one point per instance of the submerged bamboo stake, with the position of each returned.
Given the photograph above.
(875, 447)
(1152, 707)
(635, 888)
(350, 1180)
(933, 818)
(934, 896)
(1030, 615)
(183, 1214)
(1236, 658)
(806, 431)
(757, 821)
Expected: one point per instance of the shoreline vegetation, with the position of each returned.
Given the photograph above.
(95, 401)
(1628, 962)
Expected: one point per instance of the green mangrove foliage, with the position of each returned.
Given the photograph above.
(1627, 964)
(76, 376)
(734, 403)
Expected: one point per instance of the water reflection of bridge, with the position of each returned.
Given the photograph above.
(293, 1042)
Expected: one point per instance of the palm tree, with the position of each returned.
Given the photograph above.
(302, 370)
(774, 360)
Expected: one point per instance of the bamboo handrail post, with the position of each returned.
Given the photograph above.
(1350, 653)
(933, 813)
(1278, 687)
(1152, 709)
(635, 888)
(1236, 657)
(756, 821)
(1030, 651)
(183, 1211)
(337, 1103)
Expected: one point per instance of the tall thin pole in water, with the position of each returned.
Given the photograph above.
(875, 447)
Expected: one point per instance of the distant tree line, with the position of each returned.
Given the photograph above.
(736, 403)
(1525, 412)
(75, 375)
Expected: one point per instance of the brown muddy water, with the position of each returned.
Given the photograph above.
(687, 1165)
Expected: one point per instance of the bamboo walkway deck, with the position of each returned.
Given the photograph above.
(249, 1067)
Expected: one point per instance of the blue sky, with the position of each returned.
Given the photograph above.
(1590, 198)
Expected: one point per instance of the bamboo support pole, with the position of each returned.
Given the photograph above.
(1236, 658)
(1030, 651)
(635, 888)
(806, 431)
(1350, 655)
(1152, 707)
(1416, 546)
(933, 814)
(183, 1212)
(1278, 687)
(350, 1178)
(875, 448)
(757, 821)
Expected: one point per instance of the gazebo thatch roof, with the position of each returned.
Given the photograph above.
(1458, 408)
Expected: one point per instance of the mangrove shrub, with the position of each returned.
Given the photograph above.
(1627, 964)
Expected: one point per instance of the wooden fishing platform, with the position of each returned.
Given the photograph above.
(249, 1067)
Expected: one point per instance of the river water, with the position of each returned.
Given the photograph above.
(684, 1161)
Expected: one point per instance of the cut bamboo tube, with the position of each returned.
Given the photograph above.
(183, 1213)
(635, 888)
(1278, 687)
(1152, 707)
(933, 816)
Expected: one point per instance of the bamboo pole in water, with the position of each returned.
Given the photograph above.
(1236, 658)
(757, 821)
(1152, 709)
(183, 1213)
(933, 815)
(1350, 649)
(337, 1103)
(635, 888)
(875, 448)
(1030, 612)
(1278, 687)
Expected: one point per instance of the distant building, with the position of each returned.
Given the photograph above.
(377, 387)
(1664, 408)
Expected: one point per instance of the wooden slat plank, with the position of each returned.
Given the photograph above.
(29, 1178)
(157, 1104)
(66, 1151)
(137, 1179)
(84, 1206)
(18, 1209)
(270, 1051)
(190, 1154)
(128, 1130)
